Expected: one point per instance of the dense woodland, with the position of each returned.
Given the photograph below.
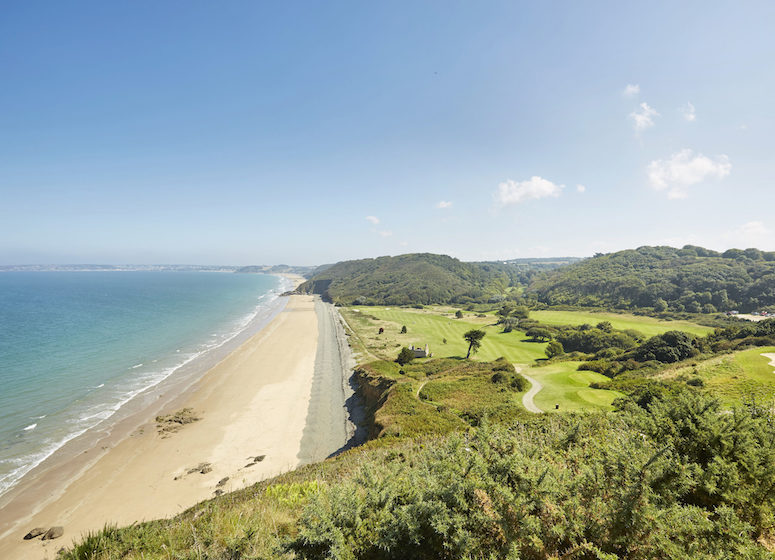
(647, 279)
(415, 279)
(690, 279)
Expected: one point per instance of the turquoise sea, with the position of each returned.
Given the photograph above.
(75, 347)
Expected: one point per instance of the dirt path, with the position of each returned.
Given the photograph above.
(527, 398)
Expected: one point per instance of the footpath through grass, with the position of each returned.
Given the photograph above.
(563, 385)
(648, 326)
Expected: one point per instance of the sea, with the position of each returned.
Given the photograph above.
(77, 348)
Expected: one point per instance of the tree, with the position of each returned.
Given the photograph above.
(403, 329)
(405, 356)
(553, 349)
(474, 338)
(539, 333)
(509, 324)
(459, 314)
(669, 347)
(506, 309)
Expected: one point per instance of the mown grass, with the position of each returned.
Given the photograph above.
(647, 326)
(736, 378)
(432, 328)
(564, 385)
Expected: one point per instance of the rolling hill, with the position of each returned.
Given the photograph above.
(420, 278)
(690, 279)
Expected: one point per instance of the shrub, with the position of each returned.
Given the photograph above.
(658, 483)
(405, 356)
(554, 348)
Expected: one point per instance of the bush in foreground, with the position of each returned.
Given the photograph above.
(676, 481)
(671, 479)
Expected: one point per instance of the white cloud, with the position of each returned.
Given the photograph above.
(689, 112)
(643, 118)
(753, 229)
(631, 90)
(581, 188)
(685, 168)
(750, 234)
(444, 204)
(386, 233)
(373, 219)
(513, 192)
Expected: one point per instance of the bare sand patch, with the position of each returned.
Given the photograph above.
(253, 404)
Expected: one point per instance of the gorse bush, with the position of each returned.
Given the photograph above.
(677, 480)
(670, 478)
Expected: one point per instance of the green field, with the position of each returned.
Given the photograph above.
(648, 326)
(564, 385)
(735, 378)
(424, 327)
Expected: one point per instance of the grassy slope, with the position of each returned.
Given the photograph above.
(734, 378)
(562, 384)
(569, 388)
(648, 326)
(432, 328)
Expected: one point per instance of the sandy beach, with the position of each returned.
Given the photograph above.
(280, 395)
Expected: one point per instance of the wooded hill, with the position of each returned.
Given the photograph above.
(420, 278)
(690, 279)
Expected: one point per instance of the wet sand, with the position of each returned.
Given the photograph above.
(283, 395)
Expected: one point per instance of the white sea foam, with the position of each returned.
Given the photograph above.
(98, 414)
(136, 366)
(31, 427)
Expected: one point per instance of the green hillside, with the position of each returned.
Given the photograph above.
(421, 278)
(690, 279)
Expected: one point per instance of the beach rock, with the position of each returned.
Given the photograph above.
(203, 468)
(223, 481)
(259, 458)
(249, 465)
(36, 532)
(218, 492)
(54, 533)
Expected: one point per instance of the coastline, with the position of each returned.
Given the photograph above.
(258, 400)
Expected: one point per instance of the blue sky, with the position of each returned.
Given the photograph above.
(311, 132)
